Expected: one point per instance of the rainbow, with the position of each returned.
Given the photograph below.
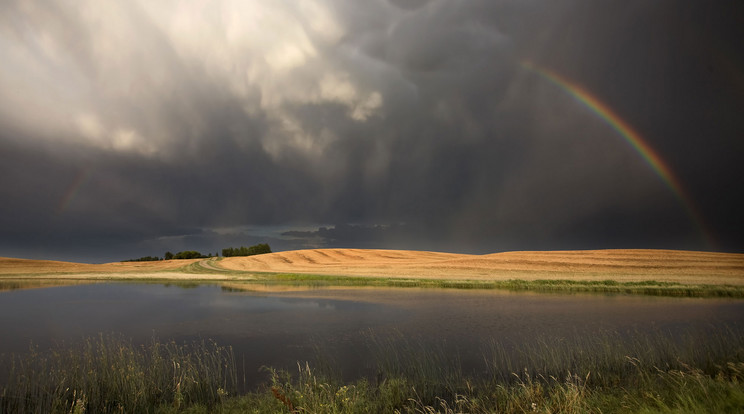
(631, 136)
(72, 190)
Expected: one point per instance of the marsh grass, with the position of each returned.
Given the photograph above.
(607, 373)
(110, 374)
(611, 357)
(610, 372)
(649, 287)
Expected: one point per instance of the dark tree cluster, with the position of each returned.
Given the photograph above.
(188, 254)
(144, 259)
(261, 248)
(193, 254)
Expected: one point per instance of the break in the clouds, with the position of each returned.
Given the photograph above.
(132, 127)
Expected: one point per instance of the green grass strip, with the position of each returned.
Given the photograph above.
(650, 287)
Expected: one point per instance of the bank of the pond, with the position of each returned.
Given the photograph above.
(645, 272)
(653, 373)
(282, 280)
(648, 287)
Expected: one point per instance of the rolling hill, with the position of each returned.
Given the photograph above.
(687, 267)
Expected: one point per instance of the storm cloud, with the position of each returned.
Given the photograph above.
(131, 128)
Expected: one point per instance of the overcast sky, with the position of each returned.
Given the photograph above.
(128, 128)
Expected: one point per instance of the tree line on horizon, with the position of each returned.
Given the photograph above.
(261, 248)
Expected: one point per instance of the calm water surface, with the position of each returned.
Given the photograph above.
(280, 328)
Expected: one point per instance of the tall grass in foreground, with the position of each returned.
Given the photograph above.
(110, 374)
(646, 390)
(609, 373)
(652, 372)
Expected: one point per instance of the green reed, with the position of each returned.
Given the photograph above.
(110, 374)
(610, 372)
(701, 371)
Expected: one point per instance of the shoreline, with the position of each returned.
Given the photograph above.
(270, 283)
(647, 272)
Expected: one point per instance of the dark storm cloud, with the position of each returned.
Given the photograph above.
(131, 128)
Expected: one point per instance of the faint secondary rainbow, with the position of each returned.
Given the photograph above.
(631, 136)
(72, 190)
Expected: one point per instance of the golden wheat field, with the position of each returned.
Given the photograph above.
(687, 267)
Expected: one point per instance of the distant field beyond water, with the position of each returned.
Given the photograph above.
(686, 267)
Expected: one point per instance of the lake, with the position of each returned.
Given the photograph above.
(267, 327)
